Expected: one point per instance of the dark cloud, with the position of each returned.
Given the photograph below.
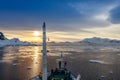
(114, 16)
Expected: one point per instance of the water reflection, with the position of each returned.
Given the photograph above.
(7, 56)
(19, 63)
(37, 61)
(22, 63)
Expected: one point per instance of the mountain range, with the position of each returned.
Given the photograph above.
(89, 43)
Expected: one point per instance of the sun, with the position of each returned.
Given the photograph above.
(36, 33)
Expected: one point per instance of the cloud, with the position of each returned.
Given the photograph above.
(92, 7)
(60, 15)
(94, 13)
(114, 16)
(87, 14)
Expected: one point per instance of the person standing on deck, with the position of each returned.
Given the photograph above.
(59, 64)
(65, 63)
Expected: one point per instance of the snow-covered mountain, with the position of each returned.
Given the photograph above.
(98, 40)
(93, 44)
(2, 37)
(12, 42)
(101, 44)
(90, 41)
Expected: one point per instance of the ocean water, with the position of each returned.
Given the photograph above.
(23, 63)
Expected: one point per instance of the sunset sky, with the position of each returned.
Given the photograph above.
(66, 20)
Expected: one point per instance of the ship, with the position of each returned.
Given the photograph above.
(60, 73)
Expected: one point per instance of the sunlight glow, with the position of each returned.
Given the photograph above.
(36, 33)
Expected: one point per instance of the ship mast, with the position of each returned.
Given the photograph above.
(44, 56)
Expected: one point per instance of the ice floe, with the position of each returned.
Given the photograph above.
(98, 61)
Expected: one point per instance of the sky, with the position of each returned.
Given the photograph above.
(66, 20)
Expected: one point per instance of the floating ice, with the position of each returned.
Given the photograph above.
(102, 76)
(14, 64)
(111, 72)
(98, 61)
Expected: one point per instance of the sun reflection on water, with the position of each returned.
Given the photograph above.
(37, 60)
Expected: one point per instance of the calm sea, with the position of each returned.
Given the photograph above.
(23, 63)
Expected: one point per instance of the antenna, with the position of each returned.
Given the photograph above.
(44, 56)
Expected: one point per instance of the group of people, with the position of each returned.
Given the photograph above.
(60, 64)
